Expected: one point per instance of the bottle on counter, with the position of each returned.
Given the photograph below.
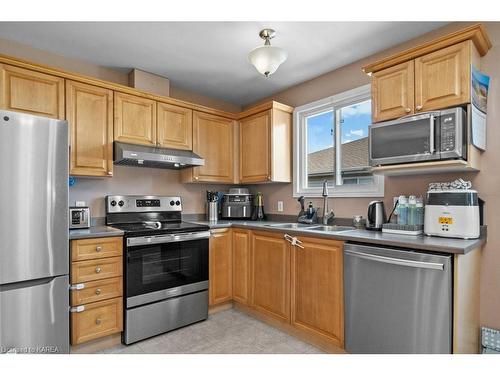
(402, 210)
(310, 210)
(420, 211)
(412, 210)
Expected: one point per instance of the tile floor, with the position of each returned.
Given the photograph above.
(225, 332)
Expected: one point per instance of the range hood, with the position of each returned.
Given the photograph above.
(154, 157)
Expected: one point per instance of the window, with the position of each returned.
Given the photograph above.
(331, 143)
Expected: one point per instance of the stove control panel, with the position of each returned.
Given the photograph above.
(142, 203)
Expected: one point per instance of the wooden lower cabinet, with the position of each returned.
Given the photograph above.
(270, 268)
(220, 267)
(98, 319)
(241, 265)
(317, 288)
(96, 288)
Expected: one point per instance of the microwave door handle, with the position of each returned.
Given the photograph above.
(432, 147)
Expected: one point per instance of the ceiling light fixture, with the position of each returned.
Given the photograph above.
(267, 59)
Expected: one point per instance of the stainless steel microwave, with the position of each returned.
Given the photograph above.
(434, 135)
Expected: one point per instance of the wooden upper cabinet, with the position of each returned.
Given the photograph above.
(220, 267)
(442, 78)
(393, 92)
(24, 90)
(175, 127)
(241, 265)
(270, 267)
(89, 112)
(266, 145)
(135, 119)
(255, 148)
(317, 300)
(213, 141)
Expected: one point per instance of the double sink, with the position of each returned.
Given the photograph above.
(312, 227)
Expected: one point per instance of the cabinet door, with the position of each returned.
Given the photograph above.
(271, 275)
(135, 119)
(24, 90)
(317, 288)
(241, 265)
(175, 127)
(442, 78)
(89, 111)
(213, 141)
(393, 92)
(220, 267)
(255, 148)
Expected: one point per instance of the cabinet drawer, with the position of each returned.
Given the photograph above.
(99, 290)
(98, 319)
(90, 270)
(93, 248)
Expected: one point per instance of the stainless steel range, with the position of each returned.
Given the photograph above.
(166, 267)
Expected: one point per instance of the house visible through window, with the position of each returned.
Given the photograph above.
(331, 143)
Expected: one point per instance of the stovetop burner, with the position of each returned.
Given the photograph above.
(149, 228)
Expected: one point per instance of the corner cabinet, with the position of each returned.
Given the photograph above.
(135, 119)
(220, 267)
(27, 91)
(213, 141)
(317, 299)
(265, 145)
(89, 111)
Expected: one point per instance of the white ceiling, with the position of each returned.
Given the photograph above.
(211, 57)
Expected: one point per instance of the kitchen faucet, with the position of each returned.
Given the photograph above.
(326, 214)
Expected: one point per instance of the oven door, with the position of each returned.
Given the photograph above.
(165, 267)
(404, 140)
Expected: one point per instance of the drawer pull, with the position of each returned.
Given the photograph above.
(98, 291)
(98, 321)
(98, 248)
(98, 270)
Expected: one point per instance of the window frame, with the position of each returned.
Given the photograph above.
(300, 114)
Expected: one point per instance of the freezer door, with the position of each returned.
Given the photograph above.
(34, 316)
(33, 197)
(397, 301)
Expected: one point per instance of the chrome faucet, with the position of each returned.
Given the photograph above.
(326, 214)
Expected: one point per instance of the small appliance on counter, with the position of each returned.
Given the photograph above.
(376, 215)
(452, 210)
(258, 212)
(237, 204)
(79, 217)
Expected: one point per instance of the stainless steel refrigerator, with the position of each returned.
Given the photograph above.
(34, 255)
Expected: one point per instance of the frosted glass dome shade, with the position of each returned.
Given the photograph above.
(267, 59)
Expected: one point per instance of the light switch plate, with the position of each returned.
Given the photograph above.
(80, 203)
(280, 206)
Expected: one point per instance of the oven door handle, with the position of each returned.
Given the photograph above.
(167, 238)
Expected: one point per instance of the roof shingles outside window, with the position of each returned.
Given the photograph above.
(354, 156)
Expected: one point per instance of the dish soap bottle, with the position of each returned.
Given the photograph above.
(310, 210)
(258, 213)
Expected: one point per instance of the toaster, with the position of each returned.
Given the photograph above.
(79, 217)
(452, 213)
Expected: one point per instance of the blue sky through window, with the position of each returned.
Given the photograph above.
(355, 121)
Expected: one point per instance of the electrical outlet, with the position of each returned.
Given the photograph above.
(280, 206)
(80, 203)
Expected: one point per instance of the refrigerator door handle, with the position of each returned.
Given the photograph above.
(397, 261)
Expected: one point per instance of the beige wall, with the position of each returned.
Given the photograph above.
(487, 181)
(22, 51)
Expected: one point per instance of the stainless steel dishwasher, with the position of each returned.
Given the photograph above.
(397, 300)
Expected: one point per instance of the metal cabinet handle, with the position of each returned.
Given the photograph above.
(98, 270)
(98, 291)
(98, 248)
(418, 107)
(98, 321)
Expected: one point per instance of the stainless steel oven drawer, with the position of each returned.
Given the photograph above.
(160, 317)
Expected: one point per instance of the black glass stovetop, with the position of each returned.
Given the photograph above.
(155, 228)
